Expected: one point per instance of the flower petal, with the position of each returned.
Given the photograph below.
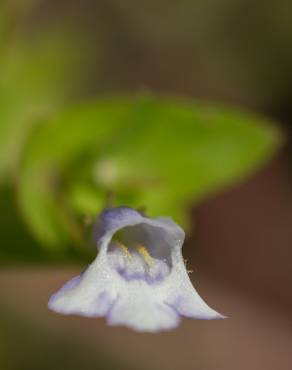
(114, 219)
(193, 306)
(142, 313)
(184, 298)
(141, 295)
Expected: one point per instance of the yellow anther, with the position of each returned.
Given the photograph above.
(124, 249)
(145, 254)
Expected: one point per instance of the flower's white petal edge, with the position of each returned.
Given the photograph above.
(101, 291)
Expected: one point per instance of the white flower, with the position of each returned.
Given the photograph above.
(139, 277)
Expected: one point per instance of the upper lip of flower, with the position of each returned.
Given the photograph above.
(114, 219)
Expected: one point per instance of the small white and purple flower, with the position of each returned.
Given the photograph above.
(138, 278)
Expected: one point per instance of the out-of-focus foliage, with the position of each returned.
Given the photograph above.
(37, 74)
(149, 151)
(155, 152)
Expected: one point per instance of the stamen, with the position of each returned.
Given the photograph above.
(124, 249)
(145, 254)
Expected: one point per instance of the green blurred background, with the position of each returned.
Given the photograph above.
(182, 108)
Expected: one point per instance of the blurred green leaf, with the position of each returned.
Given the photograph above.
(18, 245)
(158, 152)
(37, 75)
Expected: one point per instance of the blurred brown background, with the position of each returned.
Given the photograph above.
(237, 52)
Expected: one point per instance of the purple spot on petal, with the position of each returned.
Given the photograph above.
(118, 214)
(131, 276)
(110, 310)
(104, 302)
(177, 305)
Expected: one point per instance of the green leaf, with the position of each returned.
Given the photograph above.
(37, 76)
(159, 152)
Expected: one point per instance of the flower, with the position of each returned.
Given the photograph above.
(138, 278)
